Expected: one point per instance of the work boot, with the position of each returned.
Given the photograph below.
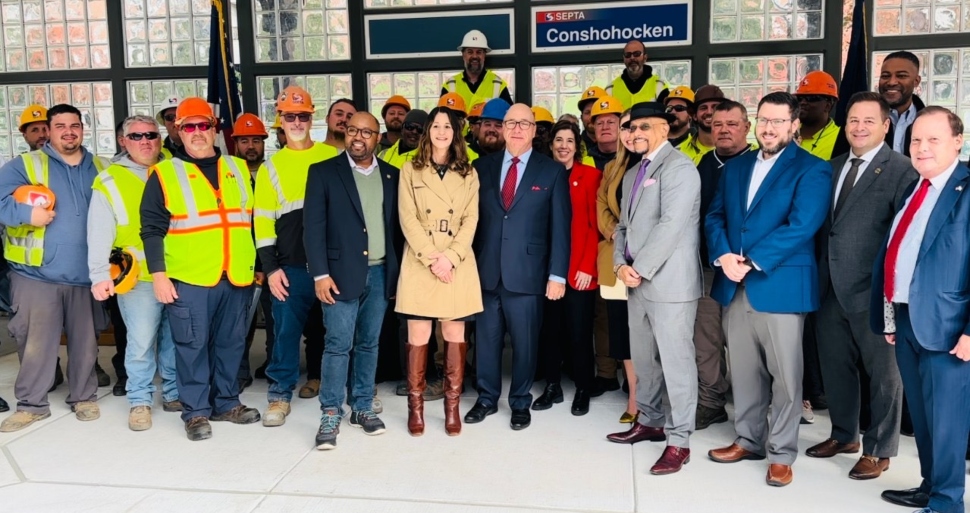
(119, 389)
(311, 389)
(276, 413)
(140, 418)
(434, 390)
(239, 414)
(4, 406)
(417, 361)
(175, 405)
(21, 419)
(86, 411)
(58, 376)
(454, 376)
(198, 428)
(103, 378)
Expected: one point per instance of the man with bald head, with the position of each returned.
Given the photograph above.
(349, 233)
(522, 246)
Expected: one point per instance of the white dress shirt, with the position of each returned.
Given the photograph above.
(866, 159)
(761, 169)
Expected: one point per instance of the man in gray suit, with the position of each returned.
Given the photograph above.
(656, 256)
(868, 184)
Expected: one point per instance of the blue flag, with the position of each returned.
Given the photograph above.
(223, 90)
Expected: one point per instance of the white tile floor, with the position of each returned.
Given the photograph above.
(561, 463)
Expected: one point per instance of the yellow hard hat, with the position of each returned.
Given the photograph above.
(32, 114)
(606, 105)
(543, 115)
(591, 93)
(277, 123)
(682, 93)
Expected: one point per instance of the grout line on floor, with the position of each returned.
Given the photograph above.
(13, 464)
(258, 504)
(633, 476)
(292, 467)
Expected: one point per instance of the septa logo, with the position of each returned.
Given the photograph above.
(249, 124)
(35, 113)
(604, 105)
(450, 102)
(37, 199)
(297, 98)
(554, 16)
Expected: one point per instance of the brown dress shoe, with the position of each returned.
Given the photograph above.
(638, 433)
(672, 460)
(733, 454)
(779, 475)
(830, 448)
(869, 467)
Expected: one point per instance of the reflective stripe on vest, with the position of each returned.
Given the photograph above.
(457, 84)
(196, 220)
(114, 198)
(286, 206)
(124, 190)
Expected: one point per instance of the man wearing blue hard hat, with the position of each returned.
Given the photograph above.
(490, 138)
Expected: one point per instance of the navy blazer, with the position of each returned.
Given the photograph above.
(523, 246)
(334, 232)
(777, 232)
(939, 295)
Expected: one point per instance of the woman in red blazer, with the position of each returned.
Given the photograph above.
(569, 322)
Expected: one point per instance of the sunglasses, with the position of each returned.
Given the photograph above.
(631, 55)
(169, 118)
(677, 108)
(137, 136)
(192, 127)
(303, 117)
(414, 127)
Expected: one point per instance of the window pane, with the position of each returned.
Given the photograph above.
(559, 88)
(295, 30)
(166, 32)
(379, 4)
(42, 35)
(147, 96)
(760, 20)
(323, 89)
(918, 17)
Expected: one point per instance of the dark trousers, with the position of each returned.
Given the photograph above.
(521, 316)
(266, 306)
(210, 337)
(937, 387)
(313, 336)
(121, 337)
(712, 386)
(567, 334)
(844, 342)
(812, 378)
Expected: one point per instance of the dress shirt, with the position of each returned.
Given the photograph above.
(366, 171)
(762, 167)
(866, 159)
(900, 123)
(520, 171)
(909, 247)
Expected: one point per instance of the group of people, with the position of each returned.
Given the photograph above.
(654, 235)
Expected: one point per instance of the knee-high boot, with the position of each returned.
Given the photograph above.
(417, 361)
(454, 375)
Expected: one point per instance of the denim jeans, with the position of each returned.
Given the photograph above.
(353, 325)
(289, 316)
(147, 323)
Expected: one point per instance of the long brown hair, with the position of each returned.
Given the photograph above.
(574, 128)
(621, 161)
(457, 154)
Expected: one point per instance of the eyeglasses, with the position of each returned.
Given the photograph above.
(303, 117)
(414, 127)
(631, 55)
(523, 124)
(366, 133)
(677, 108)
(812, 98)
(777, 122)
(191, 127)
(644, 127)
(169, 117)
(137, 136)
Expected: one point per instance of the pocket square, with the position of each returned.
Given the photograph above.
(649, 182)
(536, 188)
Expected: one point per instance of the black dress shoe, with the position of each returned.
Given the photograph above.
(580, 402)
(103, 378)
(913, 498)
(551, 395)
(261, 371)
(479, 412)
(608, 384)
(119, 389)
(521, 419)
(3, 405)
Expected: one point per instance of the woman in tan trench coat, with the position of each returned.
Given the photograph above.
(438, 206)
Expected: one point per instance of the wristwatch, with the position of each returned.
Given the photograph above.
(747, 261)
(616, 269)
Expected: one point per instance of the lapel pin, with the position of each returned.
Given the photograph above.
(575, 184)
(878, 170)
(388, 177)
(959, 188)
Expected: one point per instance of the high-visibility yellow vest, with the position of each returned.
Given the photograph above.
(25, 244)
(490, 86)
(167, 153)
(648, 93)
(393, 156)
(210, 231)
(823, 142)
(588, 160)
(693, 149)
(124, 190)
(281, 187)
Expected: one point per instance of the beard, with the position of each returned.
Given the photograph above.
(394, 125)
(777, 148)
(474, 66)
(253, 156)
(491, 143)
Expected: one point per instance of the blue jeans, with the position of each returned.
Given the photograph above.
(353, 325)
(147, 324)
(290, 316)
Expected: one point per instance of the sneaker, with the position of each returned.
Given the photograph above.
(329, 429)
(86, 410)
(276, 413)
(198, 428)
(434, 391)
(21, 419)
(175, 405)
(239, 414)
(808, 416)
(368, 421)
(140, 418)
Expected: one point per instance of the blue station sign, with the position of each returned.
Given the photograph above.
(611, 25)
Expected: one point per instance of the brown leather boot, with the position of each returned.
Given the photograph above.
(417, 362)
(454, 375)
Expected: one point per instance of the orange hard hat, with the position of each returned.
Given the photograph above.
(543, 115)
(35, 196)
(294, 99)
(818, 82)
(193, 107)
(591, 93)
(248, 125)
(398, 100)
(606, 105)
(124, 270)
(453, 101)
(32, 114)
(476, 111)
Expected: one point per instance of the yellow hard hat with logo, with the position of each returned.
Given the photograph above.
(606, 105)
(681, 93)
(590, 94)
(32, 114)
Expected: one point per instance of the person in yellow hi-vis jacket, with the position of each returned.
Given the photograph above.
(637, 83)
(280, 194)
(476, 83)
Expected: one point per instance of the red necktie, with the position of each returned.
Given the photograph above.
(508, 188)
(889, 283)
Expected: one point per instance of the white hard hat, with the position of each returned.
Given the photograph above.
(474, 39)
(168, 103)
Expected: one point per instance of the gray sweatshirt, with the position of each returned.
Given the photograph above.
(103, 225)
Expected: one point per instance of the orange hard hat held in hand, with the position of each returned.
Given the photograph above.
(35, 196)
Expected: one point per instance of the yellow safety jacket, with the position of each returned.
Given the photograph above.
(694, 149)
(281, 187)
(394, 157)
(648, 93)
(124, 190)
(823, 142)
(25, 244)
(491, 86)
(210, 232)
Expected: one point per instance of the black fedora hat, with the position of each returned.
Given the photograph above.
(650, 110)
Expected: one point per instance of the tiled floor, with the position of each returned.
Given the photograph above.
(561, 463)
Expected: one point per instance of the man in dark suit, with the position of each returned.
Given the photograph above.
(350, 223)
(760, 230)
(522, 246)
(921, 302)
(867, 185)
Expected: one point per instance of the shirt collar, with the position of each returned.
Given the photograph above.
(366, 171)
(653, 154)
(940, 181)
(773, 158)
(867, 156)
(905, 116)
(523, 159)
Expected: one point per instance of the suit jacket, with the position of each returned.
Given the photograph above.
(849, 243)
(939, 295)
(524, 245)
(584, 235)
(334, 232)
(842, 142)
(777, 231)
(661, 228)
(607, 217)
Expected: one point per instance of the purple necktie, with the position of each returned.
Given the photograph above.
(637, 183)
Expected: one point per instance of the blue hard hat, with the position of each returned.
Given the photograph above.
(495, 109)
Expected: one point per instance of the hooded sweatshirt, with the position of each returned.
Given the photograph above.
(65, 240)
(103, 225)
